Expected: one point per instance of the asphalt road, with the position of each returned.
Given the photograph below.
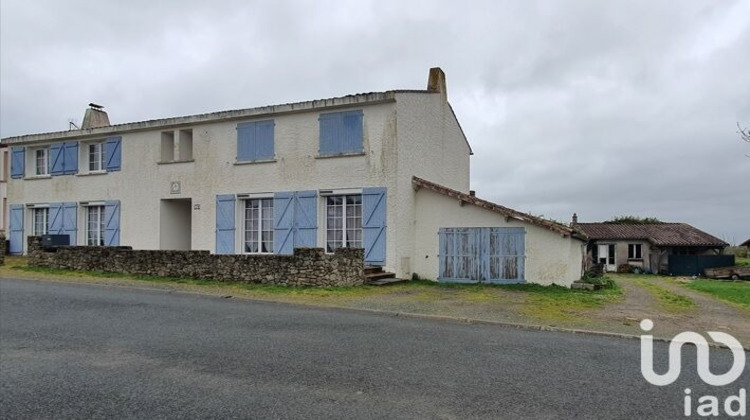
(84, 351)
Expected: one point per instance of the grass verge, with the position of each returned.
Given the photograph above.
(523, 302)
(729, 291)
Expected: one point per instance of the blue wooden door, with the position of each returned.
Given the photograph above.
(374, 225)
(486, 255)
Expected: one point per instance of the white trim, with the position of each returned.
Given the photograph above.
(92, 203)
(249, 196)
(342, 191)
(38, 206)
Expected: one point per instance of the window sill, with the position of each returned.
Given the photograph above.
(175, 161)
(92, 173)
(35, 177)
(635, 259)
(340, 155)
(250, 162)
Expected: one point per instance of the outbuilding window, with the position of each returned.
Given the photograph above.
(259, 226)
(634, 251)
(343, 222)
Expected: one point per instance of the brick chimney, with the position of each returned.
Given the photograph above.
(95, 117)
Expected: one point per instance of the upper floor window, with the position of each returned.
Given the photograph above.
(96, 157)
(255, 141)
(341, 133)
(41, 161)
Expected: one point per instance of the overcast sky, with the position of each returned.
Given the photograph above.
(595, 107)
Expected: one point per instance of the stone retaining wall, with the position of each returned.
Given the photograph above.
(307, 267)
(3, 249)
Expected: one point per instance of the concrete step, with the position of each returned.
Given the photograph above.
(371, 269)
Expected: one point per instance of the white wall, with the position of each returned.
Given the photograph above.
(550, 257)
(415, 135)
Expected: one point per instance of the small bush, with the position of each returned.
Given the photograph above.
(602, 281)
(596, 270)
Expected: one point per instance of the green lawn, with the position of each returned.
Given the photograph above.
(731, 291)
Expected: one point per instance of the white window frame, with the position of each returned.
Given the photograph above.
(345, 241)
(266, 213)
(633, 248)
(101, 153)
(45, 159)
(45, 212)
(87, 219)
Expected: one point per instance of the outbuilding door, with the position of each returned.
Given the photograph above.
(482, 255)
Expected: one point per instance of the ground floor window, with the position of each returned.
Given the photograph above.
(259, 226)
(41, 218)
(343, 222)
(95, 226)
(634, 251)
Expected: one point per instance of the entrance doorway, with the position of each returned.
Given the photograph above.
(606, 254)
(175, 224)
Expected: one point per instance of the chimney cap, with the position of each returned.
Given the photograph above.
(96, 106)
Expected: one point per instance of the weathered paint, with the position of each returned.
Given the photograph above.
(550, 257)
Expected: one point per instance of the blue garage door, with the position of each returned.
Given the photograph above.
(482, 255)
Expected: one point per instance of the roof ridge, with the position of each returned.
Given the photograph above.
(507, 211)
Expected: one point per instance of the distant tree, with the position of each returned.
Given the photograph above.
(634, 220)
(744, 134)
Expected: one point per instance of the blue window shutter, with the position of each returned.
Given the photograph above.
(56, 159)
(70, 158)
(341, 132)
(374, 224)
(245, 142)
(114, 153)
(16, 229)
(225, 206)
(352, 132)
(112, 223)
(330, 137)
(17, 162)
(70, 221)
(255, 141)
(305, 219)
(55, 220)
(283, 221)
(264, 140)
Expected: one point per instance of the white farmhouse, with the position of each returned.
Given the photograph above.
(387, 171)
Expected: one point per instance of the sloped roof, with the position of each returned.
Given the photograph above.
(497, 208)
(746, 243)
(659, 234)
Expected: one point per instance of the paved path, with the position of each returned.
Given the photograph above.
(83, 351)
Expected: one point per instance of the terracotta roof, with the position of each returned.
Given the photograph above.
(659, 234)
(497, 208)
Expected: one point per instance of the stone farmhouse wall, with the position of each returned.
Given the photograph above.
(3, 248)
(306, 267)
